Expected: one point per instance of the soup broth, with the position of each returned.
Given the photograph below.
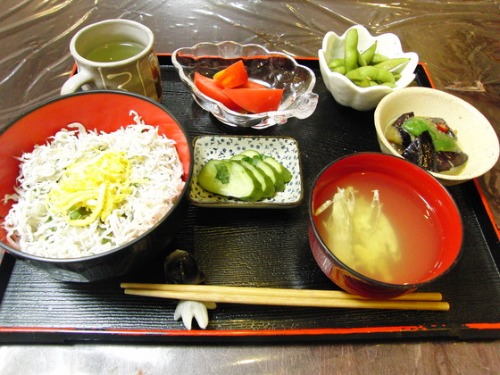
(115, 51)
(412, 219)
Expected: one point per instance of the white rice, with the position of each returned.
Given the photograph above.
(32, 228)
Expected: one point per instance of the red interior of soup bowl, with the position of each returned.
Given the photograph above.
(402, 175)
(104, 111)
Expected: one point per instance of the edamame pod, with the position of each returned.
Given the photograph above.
(368, 54)
(378, 58)
(339, 69)
(361, 60)
(370, 73)
(390, 64)
(367, 68)
(335, 63)
(351, 50)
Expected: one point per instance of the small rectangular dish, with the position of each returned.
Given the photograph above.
(283, 149)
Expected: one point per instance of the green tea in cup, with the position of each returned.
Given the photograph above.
(115, 55)
(114, 51)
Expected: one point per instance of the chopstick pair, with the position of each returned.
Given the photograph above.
(285, 297)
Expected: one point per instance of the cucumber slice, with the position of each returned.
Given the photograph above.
(275, 176)
(231, 179)
(285, 173)
(272, 172)
(251, 153)
(268, 190)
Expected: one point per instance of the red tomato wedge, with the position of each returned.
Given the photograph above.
(233, 76)
(252, 85)
(211, 89)
(256, 100)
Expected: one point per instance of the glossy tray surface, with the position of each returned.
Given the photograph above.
(255, 247)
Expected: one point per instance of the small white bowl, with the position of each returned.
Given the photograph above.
(475, 135)
(344, 91)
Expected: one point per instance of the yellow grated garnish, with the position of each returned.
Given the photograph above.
(92, 189)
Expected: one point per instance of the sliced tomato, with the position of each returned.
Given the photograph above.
(256, 100)
(252, 85)
(211, 89)
(233, 76)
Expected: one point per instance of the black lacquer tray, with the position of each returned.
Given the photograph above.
(255, 247)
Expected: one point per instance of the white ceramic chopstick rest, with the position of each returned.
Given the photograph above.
(189, 309)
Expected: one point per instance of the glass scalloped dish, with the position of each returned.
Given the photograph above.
(272, 69)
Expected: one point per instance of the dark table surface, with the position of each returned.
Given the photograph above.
(457, 40)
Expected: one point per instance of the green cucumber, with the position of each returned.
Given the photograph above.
(251, 153)
(275, 176)
(268, 190)
(248, 176)
(287, 176)
(230, 178)
(285, 173)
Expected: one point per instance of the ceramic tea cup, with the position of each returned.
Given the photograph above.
(115, 54)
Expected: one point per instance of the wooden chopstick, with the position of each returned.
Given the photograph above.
(291, 293)
(284, 297)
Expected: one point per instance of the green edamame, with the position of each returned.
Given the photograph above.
(351, 50)
(367, 68)
(390, 64)
(364, 83)
(361, 60)
(339, 69)
(335, 63)
(378, 58)
(367, 55)
(370, 73)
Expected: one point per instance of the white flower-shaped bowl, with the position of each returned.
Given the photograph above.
(475, 135)
(344, 91)
(272, 69)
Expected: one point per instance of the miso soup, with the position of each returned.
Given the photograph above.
(410, 227)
